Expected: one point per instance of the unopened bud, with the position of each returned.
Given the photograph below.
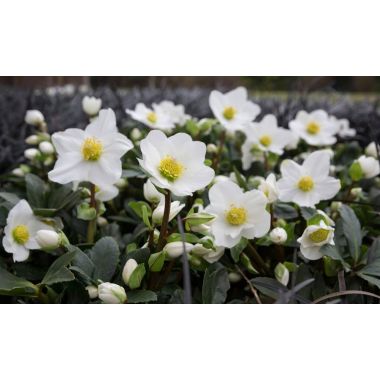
(278, 235)
(111, 293)
(129, 267)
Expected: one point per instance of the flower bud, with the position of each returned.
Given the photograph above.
(335, 206)
(281, 273)
(371, 150)
(46, 147)
(234, 277)
(34, 117)
(101, 221)
(48, 239)
(370, 166)
(278, 235)
(356, 192)
(158, 213)
(175, 249)
(112, 293)
(121, 183)
(91, 105)
(31, 153)
(136, 134)
(129, 267)
(212, 148)
(151, 194)
(92, 291)
(18, 172)
(32, 140)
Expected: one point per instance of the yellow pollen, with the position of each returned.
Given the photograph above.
(306, 183)
(21, 234)
(313, 128)
(265, 140)
(92, 149)
(170, 168)
(319, 236)
(236, 216)
(152, 117)
(229, 113)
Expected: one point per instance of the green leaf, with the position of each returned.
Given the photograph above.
(105, 256)
(10, 197)
(307, 212)
(373, 252)
(140, 255)
(137, 207)
(352, 232)
(86, 212)
(189, 238)
(195, 219)
(215, 284)
(372, 280)
(136, 277)
(82, 261)
(11, 285)
(145, 216)
(35, 190)
(238, 249)
(355, 171)
(239, 178)
(58, 271)
(284, 211)
(141, 296)
(156, 261)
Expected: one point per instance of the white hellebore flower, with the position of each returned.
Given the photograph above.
(153, 118)
(20, 231)
(34, 117)
(233, 109)
(151, 194)
(371, 149)
(211, 255)
(175, 249)
(278, 235)
(316, 128)
(237, 214)
(158, 212)
(111, 293)
(48, 239)
(176, 113)
(370, 166)
(91, 105)
(175, 163)
(344, 129)
(313, 238)
(309, 183)
(46, 147)
(105, 193)
(92, 155)
(269, 188)
(129, 267)
(265, 136)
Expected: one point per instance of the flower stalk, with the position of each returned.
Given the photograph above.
(165, 221)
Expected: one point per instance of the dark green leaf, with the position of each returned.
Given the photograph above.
(215, 284)
(352, 232)
(58, 271)
(35, 189)
(238, 249)
(141, 296)
(11, 285)
(284, 211)
(156, 261)
(136, 277)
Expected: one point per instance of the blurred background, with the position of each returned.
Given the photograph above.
(345, 84)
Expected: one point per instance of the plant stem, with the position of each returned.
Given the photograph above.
(255, 255)
(91, 228)
(165, 221)
(216, 160)
(251, 287)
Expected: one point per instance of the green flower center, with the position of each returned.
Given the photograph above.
(265, 140)
(306, 183)
(92, 149)
(170, 168)
(236, 216)
(229, 113)
(20, 234)
(319, 236)
(151, 117)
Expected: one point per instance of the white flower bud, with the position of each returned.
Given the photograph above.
(46, 147)
(121, 183)
(335, 206)
(278, 235)
(111, 293)
(234, 277)
(136, 134)
(212, 148)
(92, 291)
(48, 239)
(91, 105)
(370, 166)
(32, 140)
(34, 117)
(281, 273)
(18, 172)
(158, 213)
(356, 191)
(151, 194)
(31, 153)
(371, 150)
(175, 249)
(101, 221)
(129, 267)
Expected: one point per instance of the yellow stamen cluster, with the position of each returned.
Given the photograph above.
(306, 183)
(229, 113)
(236, 216)
(151, 117)
(265, 140)
(92, 149)
(170, 168)
(20, 234)
(319, 236)
(313, 128)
